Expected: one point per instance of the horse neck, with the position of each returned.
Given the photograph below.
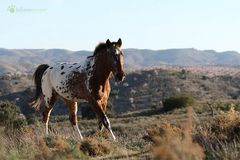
(100, 71)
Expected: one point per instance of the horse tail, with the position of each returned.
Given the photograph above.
(37, 76)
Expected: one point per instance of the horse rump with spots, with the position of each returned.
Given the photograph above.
(88, 81)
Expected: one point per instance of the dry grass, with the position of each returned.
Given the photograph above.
(95, 147)
(31, 143)
(220, 136)
(178, 135)
(26, 144)
(175, 143)
(215, 137)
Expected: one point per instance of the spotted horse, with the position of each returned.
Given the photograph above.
(88, 81)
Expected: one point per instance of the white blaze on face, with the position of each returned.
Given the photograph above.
(117, 52)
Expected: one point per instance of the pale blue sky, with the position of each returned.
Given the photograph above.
(148, 24)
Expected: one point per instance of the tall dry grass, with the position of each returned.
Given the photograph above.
(212, 138)
(28, 143)
(220, 135)
(180, 137)
(175, 143)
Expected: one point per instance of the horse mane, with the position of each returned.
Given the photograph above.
(98, 48)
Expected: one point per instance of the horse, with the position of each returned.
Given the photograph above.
(87, 81)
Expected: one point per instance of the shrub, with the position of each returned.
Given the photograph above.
(175, 143)
(227, 124)
(94, 147)
(19, 123)
(8, 112)
(58, 148)
(223, 127)
(11, 117)
(32, 119)
(177, 102)
(220, 136)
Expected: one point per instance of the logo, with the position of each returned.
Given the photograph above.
(12, 8)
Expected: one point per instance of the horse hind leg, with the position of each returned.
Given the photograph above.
(73, 108)
(50, 101)
(46, 115)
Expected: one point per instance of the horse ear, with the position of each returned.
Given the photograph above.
(119, 42)
(108, 43)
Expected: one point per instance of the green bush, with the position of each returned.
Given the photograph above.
(19, 123)
(8, 112)
(172, 103)
(10, 116)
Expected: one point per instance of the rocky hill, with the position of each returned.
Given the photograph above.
(146, 89)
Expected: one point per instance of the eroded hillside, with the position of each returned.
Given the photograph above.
(142, 89)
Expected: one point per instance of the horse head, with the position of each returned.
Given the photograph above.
(115, 59)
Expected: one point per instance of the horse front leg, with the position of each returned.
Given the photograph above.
(98, 108)
(104, 108)
(104, 102)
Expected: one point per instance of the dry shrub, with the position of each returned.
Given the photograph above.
(95, 147)
(223, 127)
(60, 149)
(166, 129)
(57, 143)
(45, 152)
(61, 144)
(220, 136)
(226, 125)
(175, 143)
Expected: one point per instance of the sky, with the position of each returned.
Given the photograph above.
(143, 24)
